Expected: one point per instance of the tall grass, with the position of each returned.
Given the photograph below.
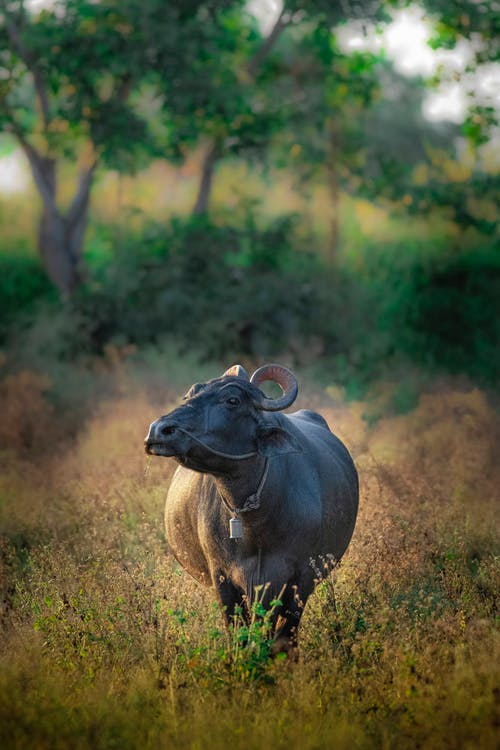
(107, 643)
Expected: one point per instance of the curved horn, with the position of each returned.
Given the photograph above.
(285, 379)
(236, 371)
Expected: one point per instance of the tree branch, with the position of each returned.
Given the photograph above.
(29, 61)
(80, 201)
(37, 163)
(124, 88)
(248, 71)
(265, 48)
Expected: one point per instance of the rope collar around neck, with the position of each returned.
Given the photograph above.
(252, 502)
(235, 457)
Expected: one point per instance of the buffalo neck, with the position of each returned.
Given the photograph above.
(241, 480)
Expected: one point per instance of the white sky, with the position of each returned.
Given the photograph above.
(14, 177)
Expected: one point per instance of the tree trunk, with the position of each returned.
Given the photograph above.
(215, 149)
(207, 173)
(334, 190)
(60, 237)
(60, 245)
(333, 240)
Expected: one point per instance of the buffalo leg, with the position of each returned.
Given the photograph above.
(230, 597)
(287, 624)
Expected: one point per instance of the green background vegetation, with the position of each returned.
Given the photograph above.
(207, 194)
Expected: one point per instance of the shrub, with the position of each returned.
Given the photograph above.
(26, 415)
(456, 313)
(23, 283)
(221, 290)
(258, 291)
(442, 312)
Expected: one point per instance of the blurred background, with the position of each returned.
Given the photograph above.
(310, 182)
(187, 184)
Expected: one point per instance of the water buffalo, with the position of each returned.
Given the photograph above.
(260, 497)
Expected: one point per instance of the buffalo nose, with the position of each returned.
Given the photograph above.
(159, 430)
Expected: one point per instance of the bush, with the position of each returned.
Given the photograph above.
(258, 291)
(224, 291)
(23, 283)
(457, 314)
(439, 311)
(22, 428)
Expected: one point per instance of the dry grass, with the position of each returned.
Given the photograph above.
(107, 644)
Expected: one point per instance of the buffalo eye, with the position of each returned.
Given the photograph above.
(233, 401)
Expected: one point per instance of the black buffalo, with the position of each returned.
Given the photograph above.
(260, 498)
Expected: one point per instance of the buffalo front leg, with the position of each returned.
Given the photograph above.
(293, 600)
(230, 597)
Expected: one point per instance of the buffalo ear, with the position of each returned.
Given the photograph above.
(275, 441)
(237, 371)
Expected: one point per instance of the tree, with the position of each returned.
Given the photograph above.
(248, 112)
(361, 125)
(237, 121)
(326, 94)
(66, 83)
(477, 23)
(467, 194)
(73, 78)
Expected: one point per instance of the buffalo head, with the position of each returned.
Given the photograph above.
(225, 419)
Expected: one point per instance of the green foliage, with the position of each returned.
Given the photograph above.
(23, 284)
(439, 311)
(394, 137)
(443, 311)
(116, 83)
(477, 23)
(221, 290)
(254, 289)
(467, 19)
(324, 92)
(258, 291)
(467, 191)
(251, 644)
(456, 313)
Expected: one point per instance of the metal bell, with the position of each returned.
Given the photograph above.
(235, 528)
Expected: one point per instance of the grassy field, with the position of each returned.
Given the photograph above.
(106, 643)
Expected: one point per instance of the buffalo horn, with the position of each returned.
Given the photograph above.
(236, 371)
(285, 379)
